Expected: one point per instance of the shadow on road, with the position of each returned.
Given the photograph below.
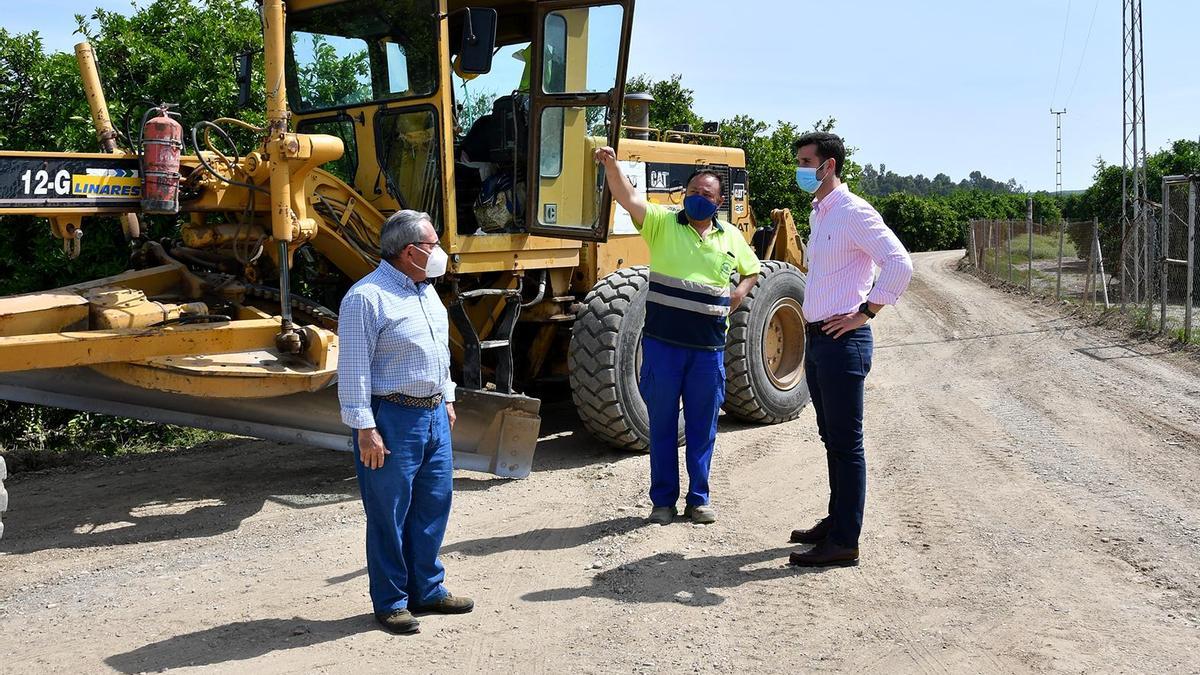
(670, 577)
(236, 642)
(547, 538)
(1126, 350)
(211, 488)
(201, 492)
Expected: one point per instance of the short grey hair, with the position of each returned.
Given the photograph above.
(401, 229)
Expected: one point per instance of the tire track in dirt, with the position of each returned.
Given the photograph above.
(978, 554)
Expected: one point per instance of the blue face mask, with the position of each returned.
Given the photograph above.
(806, 178)
(698, 208)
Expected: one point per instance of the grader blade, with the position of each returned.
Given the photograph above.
(494, 433)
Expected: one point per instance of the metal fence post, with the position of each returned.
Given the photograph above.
(1062, 230)
(1165, 233)
(1089, 282)
(1100, 260)
(1008, 247)
(1191, 259)
(1029, 228)
(1147, 265)
(971, 243)
(996, 251)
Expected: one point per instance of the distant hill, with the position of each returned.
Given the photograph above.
(881, 183)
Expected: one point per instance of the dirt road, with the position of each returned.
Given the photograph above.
(1034, 505)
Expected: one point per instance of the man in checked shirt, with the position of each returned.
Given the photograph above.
(847, 244)
(396, 394)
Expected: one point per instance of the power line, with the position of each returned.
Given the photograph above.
(1082, 54)
(1062, 48)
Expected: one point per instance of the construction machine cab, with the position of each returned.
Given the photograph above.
(507, 151)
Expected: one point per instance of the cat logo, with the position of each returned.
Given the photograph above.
(659, 179)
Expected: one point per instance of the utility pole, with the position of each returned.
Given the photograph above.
(1058, 150)
(1134, 220)
(1058, 193)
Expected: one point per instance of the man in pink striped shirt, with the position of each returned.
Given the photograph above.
(847, 244)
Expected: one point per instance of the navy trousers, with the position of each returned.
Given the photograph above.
(407, 502)
(697, 376)
(836, 371)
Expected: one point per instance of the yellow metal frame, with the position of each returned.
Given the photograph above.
(287, 168)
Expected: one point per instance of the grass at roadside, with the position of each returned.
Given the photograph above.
(1045, 247)
(36, 437)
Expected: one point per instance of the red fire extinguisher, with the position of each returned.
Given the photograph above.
(162, 141)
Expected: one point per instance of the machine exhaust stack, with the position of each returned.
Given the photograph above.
(637, 114)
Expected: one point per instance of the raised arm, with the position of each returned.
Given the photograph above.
(619, 185)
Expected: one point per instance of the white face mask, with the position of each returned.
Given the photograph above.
(435, 265)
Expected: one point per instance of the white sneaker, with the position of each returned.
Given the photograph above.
(702, 514)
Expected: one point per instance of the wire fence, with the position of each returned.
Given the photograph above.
(1145, 267)
(1173, 304)
(1062, 260)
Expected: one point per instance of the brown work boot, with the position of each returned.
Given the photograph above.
(399, 621)
(826, 554)
(814, 534)
(663, 515)
(450, 604)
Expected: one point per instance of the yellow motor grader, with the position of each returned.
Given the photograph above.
(231, 323)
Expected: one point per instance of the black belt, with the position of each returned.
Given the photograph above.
(429, 402)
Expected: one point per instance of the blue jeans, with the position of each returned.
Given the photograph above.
(669, 373)
(836, 371)
(407, 502)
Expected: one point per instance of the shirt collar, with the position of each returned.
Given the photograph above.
(838, 195)
(390, 271)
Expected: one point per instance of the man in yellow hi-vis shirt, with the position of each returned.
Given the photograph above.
(692, 258)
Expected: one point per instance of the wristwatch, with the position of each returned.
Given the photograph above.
(865, 308)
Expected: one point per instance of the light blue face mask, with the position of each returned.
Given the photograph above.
(806, 178)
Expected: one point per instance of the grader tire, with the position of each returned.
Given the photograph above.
(764, 352)
(604, 358)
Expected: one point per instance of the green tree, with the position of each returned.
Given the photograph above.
(672, 105)
(1102, 200)
(329, 80)
(474, 103)
(882, 182)
(921, 223)
(175, 51)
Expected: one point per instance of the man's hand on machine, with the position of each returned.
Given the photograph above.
(605, 156)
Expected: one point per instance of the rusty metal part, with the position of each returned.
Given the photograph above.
(129, 308)
(206, 236)
(784, 331)
(325, 316)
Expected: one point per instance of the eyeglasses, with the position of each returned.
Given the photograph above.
(425, 243)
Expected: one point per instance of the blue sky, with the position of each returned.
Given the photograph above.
(923, 87)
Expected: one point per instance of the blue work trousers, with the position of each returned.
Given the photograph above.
(836, 370)
(407, 502)
(697, 376)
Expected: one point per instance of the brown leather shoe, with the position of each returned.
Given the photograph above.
(814, 534)
(450, 604)
(399, 621)
(826, 554)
